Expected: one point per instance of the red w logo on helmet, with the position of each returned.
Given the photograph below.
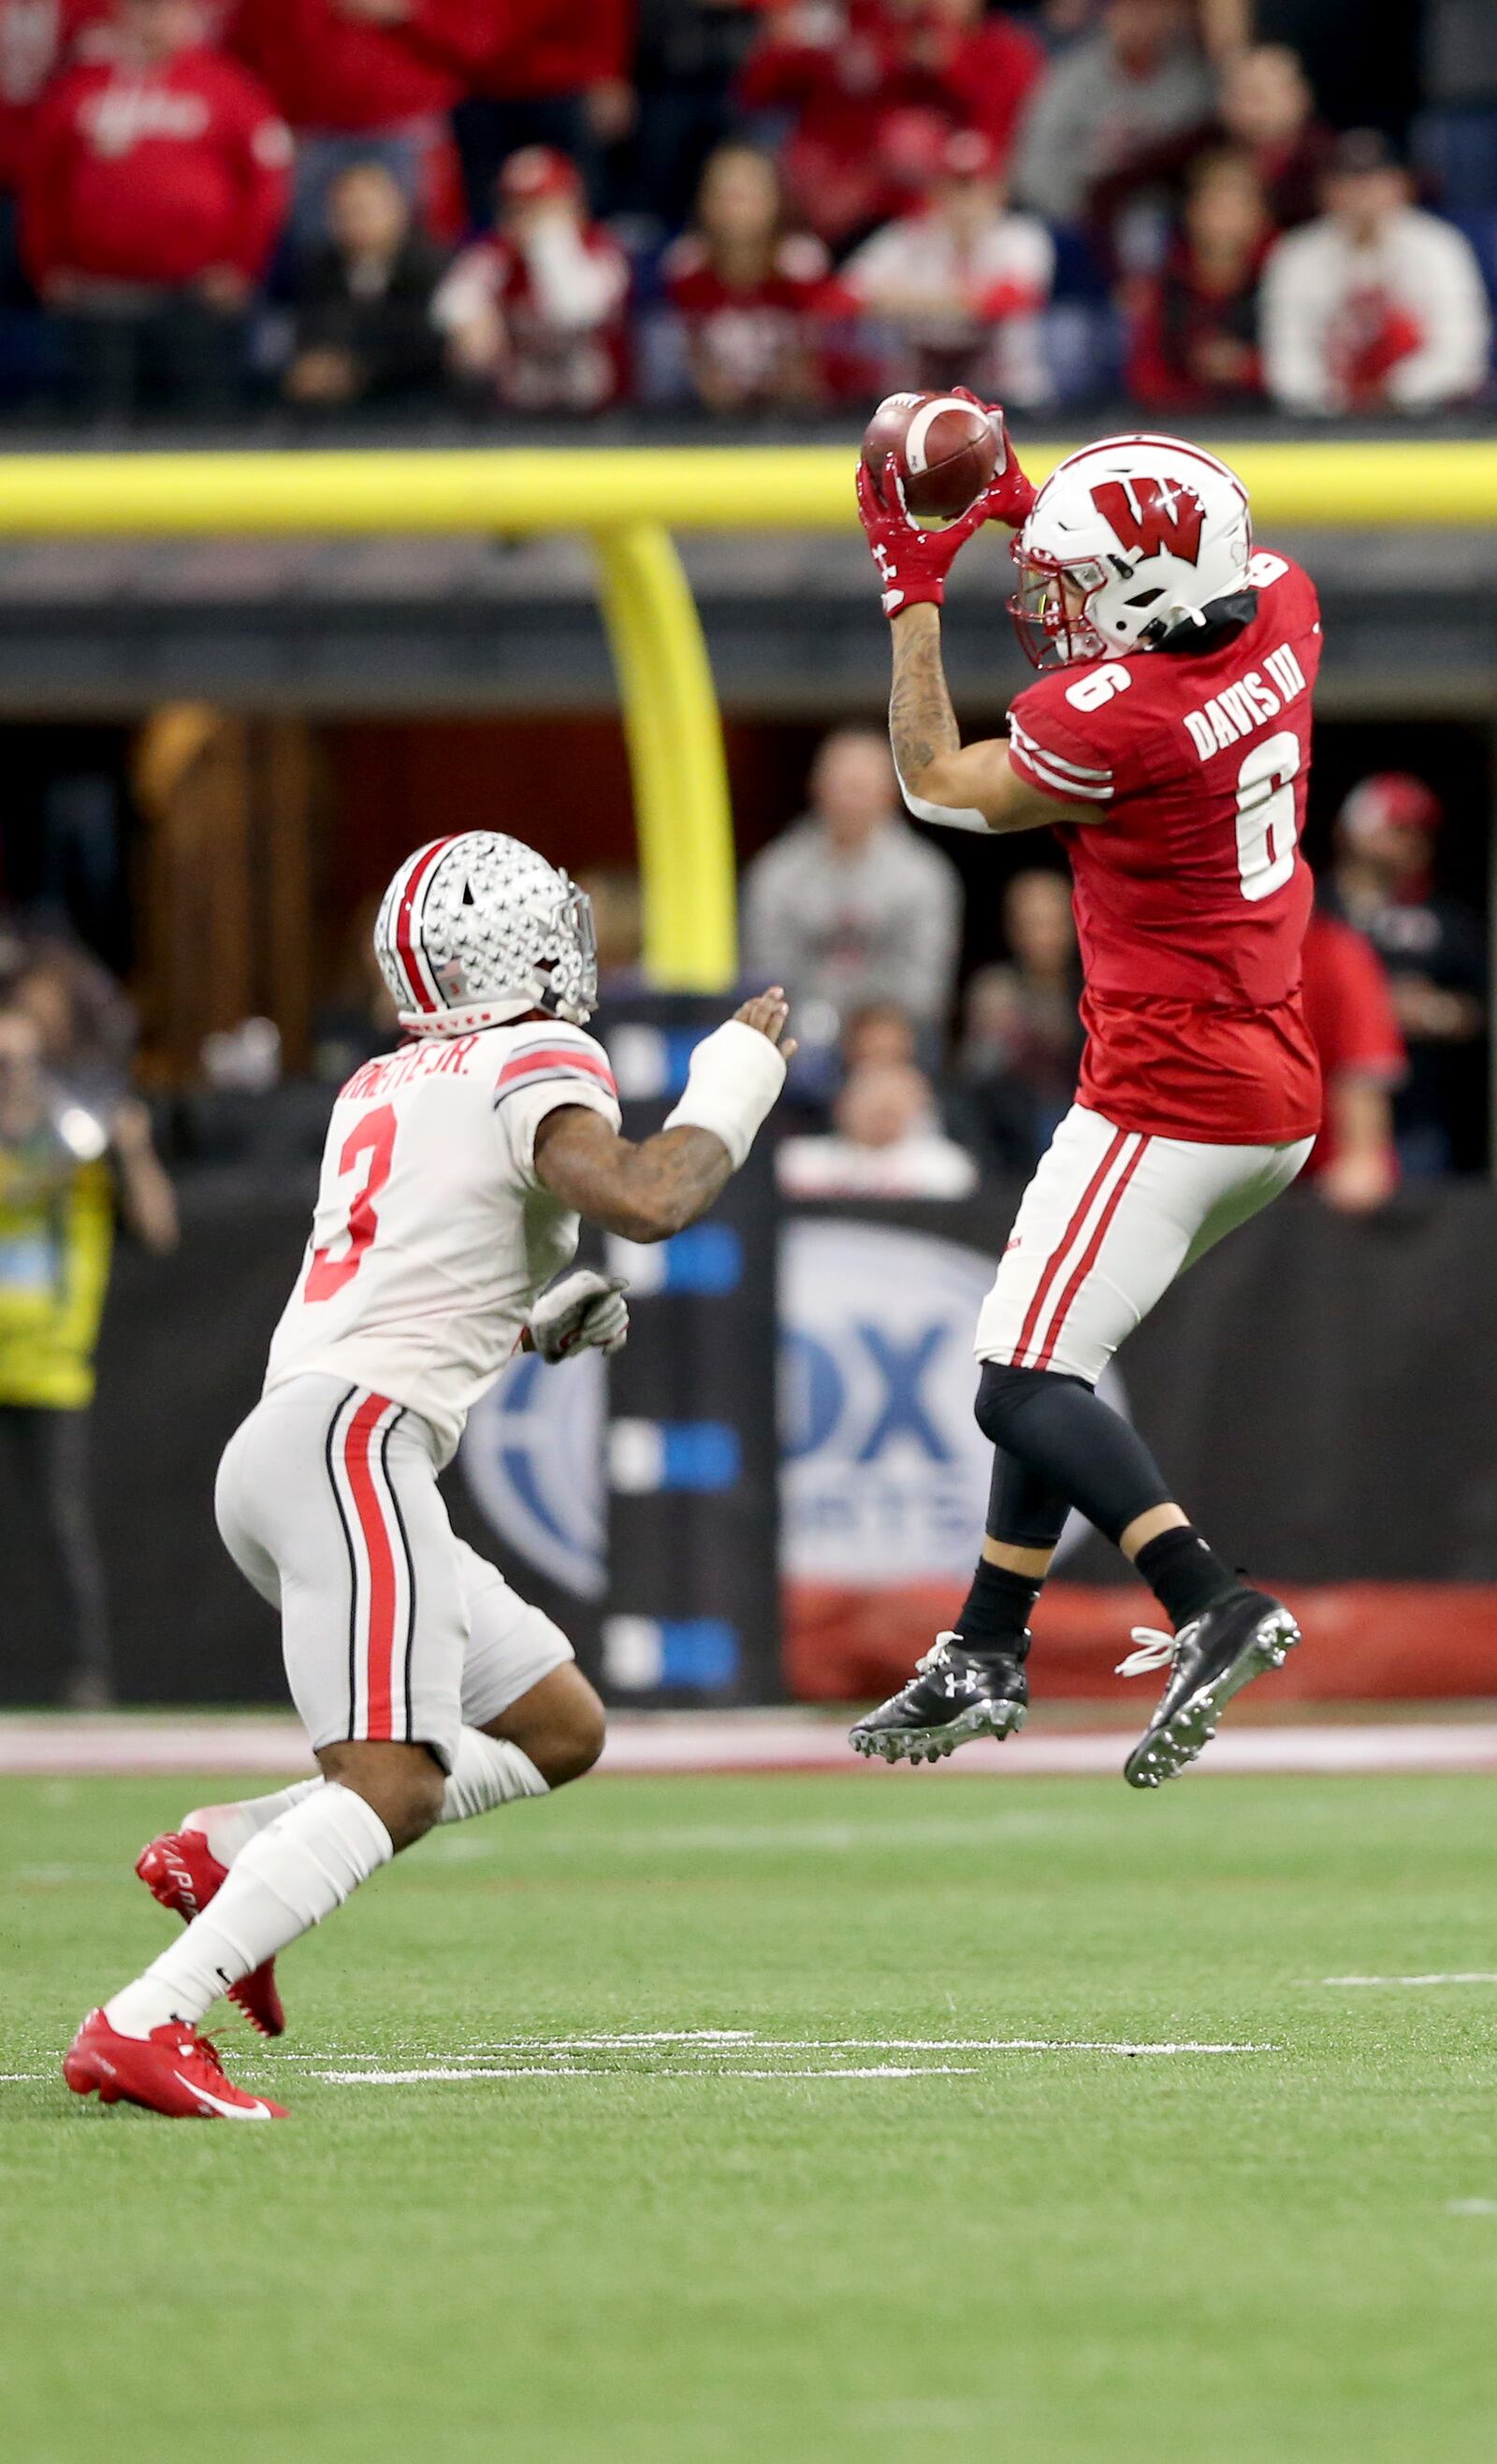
(1149, 515)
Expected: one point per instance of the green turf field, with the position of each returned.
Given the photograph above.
(707, 2251)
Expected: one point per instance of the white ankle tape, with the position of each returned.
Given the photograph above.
(488, 1771)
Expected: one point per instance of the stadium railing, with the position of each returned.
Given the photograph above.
(629, 501)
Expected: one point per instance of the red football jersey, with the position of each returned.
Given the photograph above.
(1191, 895)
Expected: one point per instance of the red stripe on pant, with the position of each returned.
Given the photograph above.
(1089, 1258)
(1057, 1255)
(358, 1463)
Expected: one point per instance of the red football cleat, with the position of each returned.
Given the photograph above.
(181, 1871)
(172, 2071)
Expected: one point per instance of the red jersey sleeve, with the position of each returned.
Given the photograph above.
(1071, 735)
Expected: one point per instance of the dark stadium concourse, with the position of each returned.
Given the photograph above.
(112, 627)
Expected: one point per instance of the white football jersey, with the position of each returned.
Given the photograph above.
(432, 1235)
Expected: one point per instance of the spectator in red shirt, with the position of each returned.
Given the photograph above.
(366, 80)
(984, 62)
(750, 294)
(534, 315)
(1350, 1011)
(865, 83)
(37, 39)
(156, 190)
(959, 286)
(554, 72)
(1193, 338)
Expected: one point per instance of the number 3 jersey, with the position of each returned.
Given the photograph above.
(432, 1234)
(1190, 891)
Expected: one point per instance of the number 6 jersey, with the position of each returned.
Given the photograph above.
(432, 1234)
(1190, 891)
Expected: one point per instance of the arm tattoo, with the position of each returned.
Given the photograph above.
(674, 1176)
(645, 1192)
(922, 724)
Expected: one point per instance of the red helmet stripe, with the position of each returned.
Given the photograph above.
(412, 960)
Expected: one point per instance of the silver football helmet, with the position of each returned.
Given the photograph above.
(475, 930)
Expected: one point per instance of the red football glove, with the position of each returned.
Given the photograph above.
(913, 561)
(1008, 494)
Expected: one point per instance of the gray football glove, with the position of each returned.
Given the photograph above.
(583, 1309)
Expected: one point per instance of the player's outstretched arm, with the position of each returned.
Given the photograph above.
(654, 1189)
(964, 787)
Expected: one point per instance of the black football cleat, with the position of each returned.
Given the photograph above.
(954, 1695)
(1238, 1638)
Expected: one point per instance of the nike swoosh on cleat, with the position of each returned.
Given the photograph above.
(229, 2112)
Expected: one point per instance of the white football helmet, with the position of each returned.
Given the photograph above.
(1126, 540)
(475, 930)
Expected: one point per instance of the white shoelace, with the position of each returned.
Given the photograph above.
(938, 1655)
(1154, 1650)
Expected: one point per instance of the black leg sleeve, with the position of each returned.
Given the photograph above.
(1069, 1442)
(1023, 1508)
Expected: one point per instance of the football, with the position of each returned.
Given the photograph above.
(943, 448)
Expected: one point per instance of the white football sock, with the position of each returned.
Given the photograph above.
(488, 1771)
(287, 1880)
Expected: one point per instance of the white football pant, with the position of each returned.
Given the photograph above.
(392, 1627)
(1108, 1221)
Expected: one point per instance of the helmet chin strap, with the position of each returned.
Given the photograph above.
(503, 1011)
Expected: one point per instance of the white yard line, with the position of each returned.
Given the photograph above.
(756, 2044)
(645, 2056)
(1451, 1976)
(706, 2057)
(414, 2077)
(881, 2069)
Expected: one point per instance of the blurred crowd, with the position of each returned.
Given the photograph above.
(745, 205)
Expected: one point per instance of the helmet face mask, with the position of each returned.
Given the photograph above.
(571, 985)
(1049, 609)
(477, 930)
(1127, 540)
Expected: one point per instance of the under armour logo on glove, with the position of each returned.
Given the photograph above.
(893, 597)
(913, 562)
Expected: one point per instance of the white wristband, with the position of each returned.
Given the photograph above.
(735, 1074)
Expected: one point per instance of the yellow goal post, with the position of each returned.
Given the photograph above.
(629, 501)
